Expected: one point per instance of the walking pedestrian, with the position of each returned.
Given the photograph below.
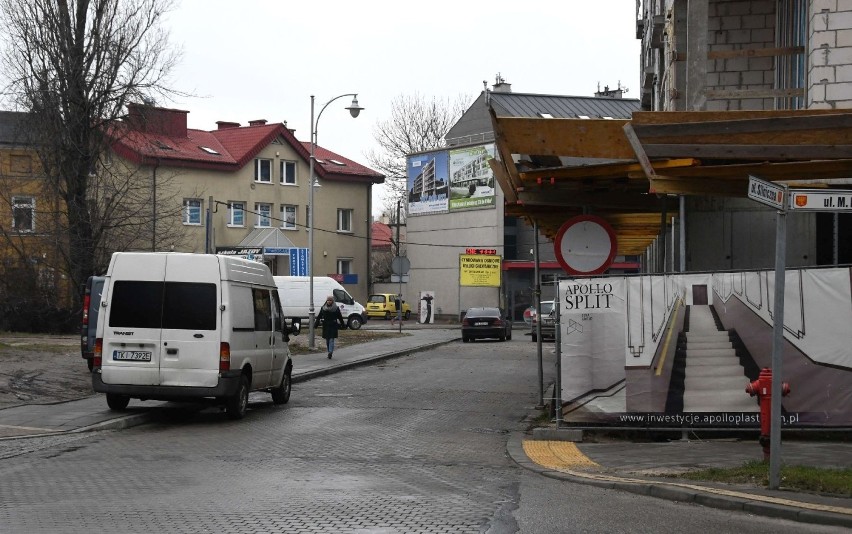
(330, 317)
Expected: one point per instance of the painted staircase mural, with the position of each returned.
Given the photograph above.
(714, 378)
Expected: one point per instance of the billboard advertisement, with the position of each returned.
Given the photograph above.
(471, 180)
(427, 183)
(677, 351)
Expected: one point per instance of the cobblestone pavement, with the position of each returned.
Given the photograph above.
(415, 444)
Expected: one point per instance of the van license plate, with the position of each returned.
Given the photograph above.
(131, 355)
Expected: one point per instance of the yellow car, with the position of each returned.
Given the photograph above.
(384, 305)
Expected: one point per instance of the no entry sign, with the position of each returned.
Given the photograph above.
(585, 245)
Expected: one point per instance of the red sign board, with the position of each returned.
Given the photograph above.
(489, 251)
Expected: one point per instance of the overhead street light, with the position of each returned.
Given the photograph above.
(354, 110)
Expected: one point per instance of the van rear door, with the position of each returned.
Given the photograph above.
(131, 321)
(189, 346)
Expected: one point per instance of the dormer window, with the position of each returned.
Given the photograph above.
(337, 162)
(209, 150)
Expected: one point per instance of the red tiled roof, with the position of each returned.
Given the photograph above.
(380, 235)
(236, 147)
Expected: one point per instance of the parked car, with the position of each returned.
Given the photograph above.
(182, 327)
(486, 323)
(89, 321)
(548, 321)
(384, 305)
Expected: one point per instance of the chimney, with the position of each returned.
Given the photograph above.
(257, 122)
(501, 86)
(154, 120)
(223, 125)
(610, 93)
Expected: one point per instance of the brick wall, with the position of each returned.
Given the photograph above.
(830, 54)
(737, 25)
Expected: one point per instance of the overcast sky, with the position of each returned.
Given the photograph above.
(262, 59)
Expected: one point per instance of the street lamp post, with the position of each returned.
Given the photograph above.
(354, 110)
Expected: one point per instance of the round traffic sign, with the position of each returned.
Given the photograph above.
(585, 245)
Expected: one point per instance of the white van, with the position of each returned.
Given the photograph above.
(175, 326)
(295, 299)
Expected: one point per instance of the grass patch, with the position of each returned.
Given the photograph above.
(793, 477)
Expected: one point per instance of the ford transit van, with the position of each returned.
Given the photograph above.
(295, 298)
(179, 327)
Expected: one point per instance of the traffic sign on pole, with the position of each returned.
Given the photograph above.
(821, 200)
(766, 192)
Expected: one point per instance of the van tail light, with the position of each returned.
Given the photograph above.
(97, 356)
(86, 301)
(224, 357)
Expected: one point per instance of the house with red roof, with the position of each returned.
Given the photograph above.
(243, 190)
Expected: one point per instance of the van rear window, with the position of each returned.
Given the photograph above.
(169, 305)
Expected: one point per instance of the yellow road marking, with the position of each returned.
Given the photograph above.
(556, 454)
(562, 456)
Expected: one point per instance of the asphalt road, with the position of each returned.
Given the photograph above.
(413, 444)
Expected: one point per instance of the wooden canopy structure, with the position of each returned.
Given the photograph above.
(629, 172)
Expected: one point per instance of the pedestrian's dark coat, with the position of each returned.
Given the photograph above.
(330, 317)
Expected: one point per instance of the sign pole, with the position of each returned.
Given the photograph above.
(777, 349)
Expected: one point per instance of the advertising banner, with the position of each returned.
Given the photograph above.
(677, 351)
(471, 180)
(427, 183)
(479, 270)
(427, 305)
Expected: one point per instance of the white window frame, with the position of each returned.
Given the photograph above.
(344, 265)
(234, 208)
(23, 203)
(257, 168)
(190, 205)
(344, 220)
(289, 223)
(264, 214)
(284, 164)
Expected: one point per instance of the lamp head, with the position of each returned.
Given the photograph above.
(354, 108)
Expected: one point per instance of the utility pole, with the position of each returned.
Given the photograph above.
(399, 308)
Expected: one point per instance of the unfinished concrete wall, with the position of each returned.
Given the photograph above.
(829, 78)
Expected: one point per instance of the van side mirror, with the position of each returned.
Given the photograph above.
(294, 327)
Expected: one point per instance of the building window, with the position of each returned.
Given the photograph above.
(344, 266)
(192, 211)
(288, 172)
(263, 171)
(23, 214)
(344, 220)
(264, 215)
(288, 217)
(236, 214)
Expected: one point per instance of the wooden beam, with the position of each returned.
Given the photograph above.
(681, 117)
(641, 155)
(759, 152)
(763, 126)
(502, 177)
(756, 52)
(584, 138)
(741, 94)
(705, 186)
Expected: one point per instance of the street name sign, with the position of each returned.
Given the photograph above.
(766, 192)
(821, 200)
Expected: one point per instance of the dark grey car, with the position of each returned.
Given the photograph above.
(548, 321)
(486, 323)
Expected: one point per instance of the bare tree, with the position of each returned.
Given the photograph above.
(75, 65)
(416, 124)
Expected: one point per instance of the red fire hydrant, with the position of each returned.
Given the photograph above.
(762, 387)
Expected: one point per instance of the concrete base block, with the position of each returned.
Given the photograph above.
(562, 434)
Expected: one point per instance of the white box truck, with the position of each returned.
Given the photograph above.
(295, 300)
(178, 327)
